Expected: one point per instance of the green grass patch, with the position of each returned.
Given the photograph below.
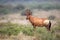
(40, 32)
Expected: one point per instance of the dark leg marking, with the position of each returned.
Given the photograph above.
(48, 26)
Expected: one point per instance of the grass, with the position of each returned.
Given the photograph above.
(40, 32)
(14, 29)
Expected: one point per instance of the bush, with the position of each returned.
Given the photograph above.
(51, 17)
(3, 11)
(20, 7)
(23, 13)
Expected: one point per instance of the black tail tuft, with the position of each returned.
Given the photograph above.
(49, 25)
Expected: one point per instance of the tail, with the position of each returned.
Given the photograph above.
(49, 25)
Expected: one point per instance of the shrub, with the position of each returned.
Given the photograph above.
(20, 7)
(51, 17)
(3, 11)
(23, 13)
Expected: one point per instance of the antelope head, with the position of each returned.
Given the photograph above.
(28, 13)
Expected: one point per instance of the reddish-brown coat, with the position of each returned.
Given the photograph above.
(35, 21)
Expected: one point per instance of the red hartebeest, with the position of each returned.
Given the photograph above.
(35, 21)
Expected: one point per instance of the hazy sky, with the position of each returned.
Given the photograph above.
(22, 1)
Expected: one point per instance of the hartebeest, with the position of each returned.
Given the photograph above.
(40, 22)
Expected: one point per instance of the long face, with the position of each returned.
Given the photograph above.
(28, 13)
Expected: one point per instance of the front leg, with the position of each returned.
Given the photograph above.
(34, 26)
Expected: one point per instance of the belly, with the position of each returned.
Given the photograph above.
(38, 23)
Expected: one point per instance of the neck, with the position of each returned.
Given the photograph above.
(29, 17)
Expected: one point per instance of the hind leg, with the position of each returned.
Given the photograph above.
(48, 28)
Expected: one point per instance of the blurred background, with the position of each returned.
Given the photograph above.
(13, 23)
